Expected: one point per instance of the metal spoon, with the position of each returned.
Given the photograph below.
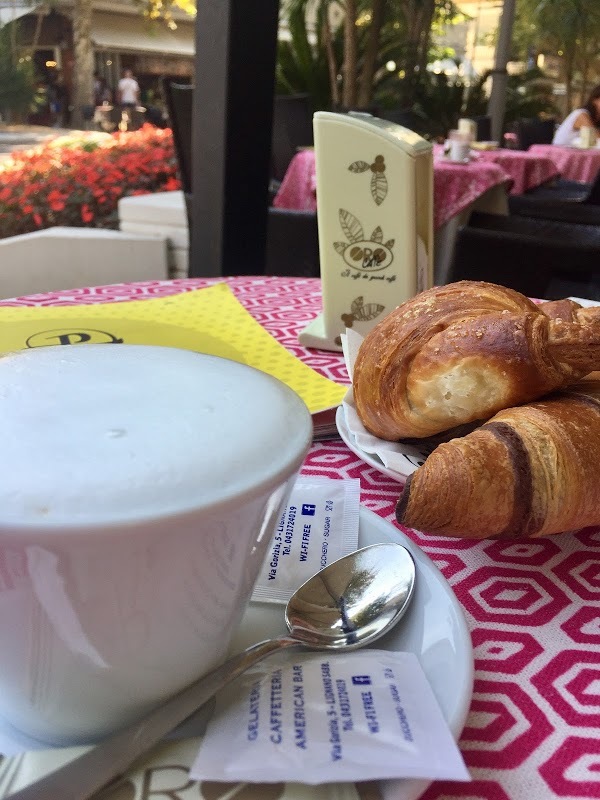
(349, 604)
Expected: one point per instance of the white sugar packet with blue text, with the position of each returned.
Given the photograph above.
(324, 718)
(318, 526)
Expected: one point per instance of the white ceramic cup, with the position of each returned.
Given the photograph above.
(140, 487)
(460, 146)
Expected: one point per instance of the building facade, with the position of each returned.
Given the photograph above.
(121, 38)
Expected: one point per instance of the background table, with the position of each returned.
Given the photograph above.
(455, 186)
(526, 169)
(458, 189)
(573, 163)
(533, 607)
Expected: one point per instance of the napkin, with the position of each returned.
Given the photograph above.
(209, 320)
(401, 458)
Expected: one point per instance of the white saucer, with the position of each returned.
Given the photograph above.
(459, 161)
(434, 628)
(407, 464)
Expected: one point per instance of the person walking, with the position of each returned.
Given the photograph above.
(59, 101)
(129, 90)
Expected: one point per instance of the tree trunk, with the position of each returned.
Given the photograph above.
(419, 14)
(349, 67)
(331, 64)
(425, 35)
(586, 59)
(585, 78)
(365, 84)
(568, 67)
(83, 68)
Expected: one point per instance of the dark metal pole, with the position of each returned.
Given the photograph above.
(236, 47)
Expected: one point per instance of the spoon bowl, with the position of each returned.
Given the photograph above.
(350, 603)
(353, 601)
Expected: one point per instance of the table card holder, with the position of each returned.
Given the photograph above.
(375, 216)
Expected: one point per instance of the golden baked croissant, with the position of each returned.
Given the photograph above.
(529, 471)
(462, 352)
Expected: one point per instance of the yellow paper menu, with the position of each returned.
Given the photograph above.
(209, 320)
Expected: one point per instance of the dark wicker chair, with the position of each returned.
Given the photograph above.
(292, 243)
(539, 227)
(483, 128)
(568, 201)
(538, 257)
(534, 131)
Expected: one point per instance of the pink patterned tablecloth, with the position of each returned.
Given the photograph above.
(526, 169)
(573, 163)
(455, 186)
(458, 186)
(533, 607)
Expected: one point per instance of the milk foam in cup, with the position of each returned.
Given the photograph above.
(139, 490)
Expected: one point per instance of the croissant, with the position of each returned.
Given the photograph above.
(461, 352)
(529, 471)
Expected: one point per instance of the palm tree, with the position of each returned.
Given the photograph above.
(569, 27)
(371, 34)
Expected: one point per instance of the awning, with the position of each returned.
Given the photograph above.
(134, 34)
(10, 11)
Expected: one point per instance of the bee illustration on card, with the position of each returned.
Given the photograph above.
(361, 312)
(378, 183)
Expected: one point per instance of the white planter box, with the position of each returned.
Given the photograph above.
(73, 258)
(162, 214)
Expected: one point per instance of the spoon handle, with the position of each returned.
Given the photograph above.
(102, 763)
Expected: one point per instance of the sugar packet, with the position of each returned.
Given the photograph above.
(318, 526)
(323, 718)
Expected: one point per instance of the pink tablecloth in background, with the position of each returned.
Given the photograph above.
(573, 163)
(455, 186)
(458, 186)
(298, 188)
(533, 606)
(526, 169)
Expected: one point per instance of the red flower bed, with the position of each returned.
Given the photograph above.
(78, 180)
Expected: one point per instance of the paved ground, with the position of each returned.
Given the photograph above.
(22, 137)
